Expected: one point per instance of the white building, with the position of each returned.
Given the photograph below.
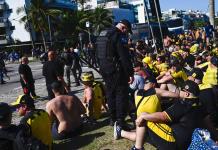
(19, 32)
(6, 27)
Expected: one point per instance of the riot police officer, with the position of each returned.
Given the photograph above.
(116, 69)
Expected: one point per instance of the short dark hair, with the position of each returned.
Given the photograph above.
(57, 86)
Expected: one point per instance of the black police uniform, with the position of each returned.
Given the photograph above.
(116, 68)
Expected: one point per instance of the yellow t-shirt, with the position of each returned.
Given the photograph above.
(194, 49)
(40, 124)
(204, 86)
(210, 76)
(203, 65)
(162, 68)
(150, 102)
(179, 76)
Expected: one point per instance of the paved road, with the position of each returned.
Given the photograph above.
(10, 90)
(14, 82)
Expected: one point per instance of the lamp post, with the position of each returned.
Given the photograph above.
(80, 40)
(88, 26)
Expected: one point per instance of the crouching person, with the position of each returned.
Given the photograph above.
(36, 122)
(94, 97)
(65, 112)
(8, 131)
(171, 129)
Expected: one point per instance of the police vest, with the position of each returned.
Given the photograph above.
(106, 51)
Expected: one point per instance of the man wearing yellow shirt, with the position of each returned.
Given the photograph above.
(173, 78)
(170, 129)
(208, 100)
(211, 74)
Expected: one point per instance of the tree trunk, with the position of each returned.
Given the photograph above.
(212, 11)
(43, 39)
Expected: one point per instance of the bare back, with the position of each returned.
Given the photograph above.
(66, 110)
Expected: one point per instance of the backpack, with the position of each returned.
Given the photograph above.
(99, 98)
(23, 140)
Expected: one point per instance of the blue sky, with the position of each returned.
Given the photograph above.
(187, 4)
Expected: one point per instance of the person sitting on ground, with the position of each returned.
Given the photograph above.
(65, 111)
(37, 119)
(6, 128)
(93, 98)
(174, 78)
(208, 99)
(170, 129)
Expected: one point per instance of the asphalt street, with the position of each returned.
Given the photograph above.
(12, 89)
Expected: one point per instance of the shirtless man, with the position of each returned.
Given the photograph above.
(65, 112)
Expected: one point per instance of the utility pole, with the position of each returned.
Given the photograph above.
(148, 19)
(158, 18)
(212, 15)
(212, 11)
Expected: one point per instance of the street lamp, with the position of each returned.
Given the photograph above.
(88, 26)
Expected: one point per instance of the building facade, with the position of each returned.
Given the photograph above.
(6, 28)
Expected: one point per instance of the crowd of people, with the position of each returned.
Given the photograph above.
(168, 91)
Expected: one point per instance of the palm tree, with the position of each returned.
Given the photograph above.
(37, 14)
(100, 19)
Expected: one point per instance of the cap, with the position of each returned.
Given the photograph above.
(86, 77)
(24, 99)
(197, 73)
(5, 110)
(214, 61)
(191, 87)
(127, 24)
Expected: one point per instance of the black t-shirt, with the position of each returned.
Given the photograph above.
(185, 117)
(66, 56)
(26, 71)
(208, 100)
(6, 144)
(51, 70)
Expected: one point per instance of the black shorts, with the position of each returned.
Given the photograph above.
(160, 143)
(64, 135)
